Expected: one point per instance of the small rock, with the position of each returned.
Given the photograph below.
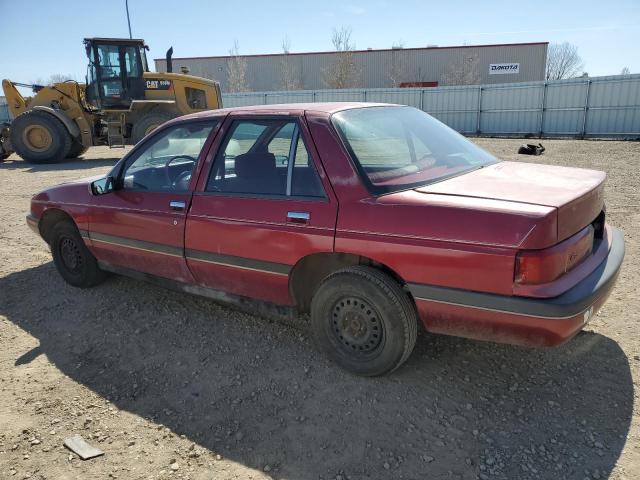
(35, 441)
(267, 468)
(174, 466)
(386, 465)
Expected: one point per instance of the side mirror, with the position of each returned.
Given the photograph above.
(103, 185)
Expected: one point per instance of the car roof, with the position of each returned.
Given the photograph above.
(288, 109)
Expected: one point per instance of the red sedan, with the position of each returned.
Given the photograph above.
(370, 217)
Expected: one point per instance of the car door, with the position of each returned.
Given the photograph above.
(263, 205)
(140, 224)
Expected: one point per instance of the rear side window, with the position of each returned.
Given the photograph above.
(196, 98)
(265, 157)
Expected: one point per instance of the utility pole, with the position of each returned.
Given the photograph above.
(126, 3)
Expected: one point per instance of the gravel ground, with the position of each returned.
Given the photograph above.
(175, 386)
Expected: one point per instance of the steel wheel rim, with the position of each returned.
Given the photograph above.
(71, 255)
(356, 326)
(37, 138)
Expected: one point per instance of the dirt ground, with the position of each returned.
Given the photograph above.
(173, 386)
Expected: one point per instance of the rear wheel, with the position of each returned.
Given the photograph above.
(39, 137)
(363, 320)
(147, 124)
(73, 260)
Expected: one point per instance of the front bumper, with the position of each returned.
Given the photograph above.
(521, 320)
(32, 222)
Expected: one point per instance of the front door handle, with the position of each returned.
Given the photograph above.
(177, 205)
(298, 217)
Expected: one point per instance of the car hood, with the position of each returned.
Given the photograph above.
(85, 180)
(577, 194)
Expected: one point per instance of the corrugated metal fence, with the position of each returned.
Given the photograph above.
(580, 107)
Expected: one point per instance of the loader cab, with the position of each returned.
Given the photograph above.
(115, 75)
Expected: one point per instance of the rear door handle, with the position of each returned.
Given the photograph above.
(298, 217)
(177, 205)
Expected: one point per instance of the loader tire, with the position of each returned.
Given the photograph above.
(148, 123)
(39, 137)
(77, 149)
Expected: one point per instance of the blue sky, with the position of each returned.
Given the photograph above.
(44, 41)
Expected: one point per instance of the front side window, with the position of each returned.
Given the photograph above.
(167, 161)
(110, 79)
(397, 148)
(265, 157)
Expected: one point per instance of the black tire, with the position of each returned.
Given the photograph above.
(73, 260)
(363, 320)
(77, 149)
(146, 124)
(53, 147)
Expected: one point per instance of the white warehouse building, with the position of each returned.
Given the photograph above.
(397, 67)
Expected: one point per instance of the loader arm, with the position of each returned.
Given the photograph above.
(15, 101)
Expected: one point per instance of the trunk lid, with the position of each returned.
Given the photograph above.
(577, 194)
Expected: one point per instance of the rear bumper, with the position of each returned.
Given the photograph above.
(32, 222)
(521, 320)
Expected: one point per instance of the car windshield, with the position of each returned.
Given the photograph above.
(397, 148)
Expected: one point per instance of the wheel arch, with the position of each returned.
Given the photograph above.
(68, 123)
(309, 271)
(49, 218)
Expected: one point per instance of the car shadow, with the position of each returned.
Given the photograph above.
(76, 164)
(258, 392)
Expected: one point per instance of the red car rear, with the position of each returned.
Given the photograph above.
(371, 217)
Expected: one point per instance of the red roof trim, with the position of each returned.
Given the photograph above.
(363, 51)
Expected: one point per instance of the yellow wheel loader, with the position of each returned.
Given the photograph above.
(120, 103)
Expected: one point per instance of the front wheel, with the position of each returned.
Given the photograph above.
(73, 260)
(39, 137)
(363, 320)
(77, 149)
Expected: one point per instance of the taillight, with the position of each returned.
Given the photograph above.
(543, 266)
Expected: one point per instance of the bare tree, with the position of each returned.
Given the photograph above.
(397, 64)
(236, 70)
(55, 78)
(61, 77)
(625, 71)
(563, 61)
(464, 71)
(290, 74)
(343, 71)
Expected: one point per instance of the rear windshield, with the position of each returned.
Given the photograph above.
(397, 148)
